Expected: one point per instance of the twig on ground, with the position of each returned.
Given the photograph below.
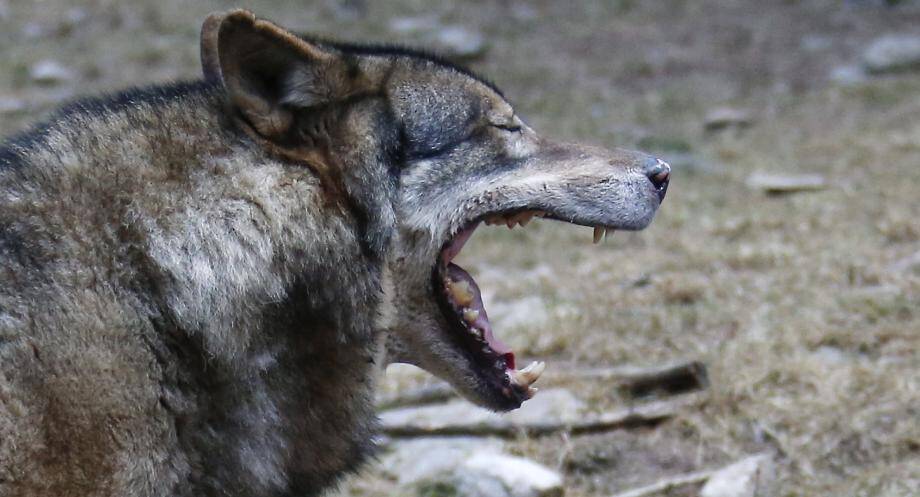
(429, 394)
(641, 415)
(668, 484)
(671, 379)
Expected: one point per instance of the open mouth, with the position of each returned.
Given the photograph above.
(461, 302)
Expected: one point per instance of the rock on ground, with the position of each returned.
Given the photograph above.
(519, 477)
(727, 117)
(450, 40)
(749, 477)
(422, 459)
(49, 72)
(892, 53)
(549, 406)
(773, 183)
(467, 467)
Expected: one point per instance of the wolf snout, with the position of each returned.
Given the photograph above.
(659, 173)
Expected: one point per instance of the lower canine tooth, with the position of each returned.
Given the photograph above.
(598, 232)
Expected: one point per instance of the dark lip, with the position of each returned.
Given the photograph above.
(489, 367)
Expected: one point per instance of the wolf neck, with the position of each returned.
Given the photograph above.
(234, 235)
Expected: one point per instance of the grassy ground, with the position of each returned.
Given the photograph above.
(805, 307)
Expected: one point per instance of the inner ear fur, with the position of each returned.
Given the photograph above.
(267, 71)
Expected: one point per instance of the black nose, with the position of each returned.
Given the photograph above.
(659, 173)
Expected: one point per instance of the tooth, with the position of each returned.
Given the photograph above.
(510, 222)
(531, 391)
(598, 231)
(461, 292)
(525, 218)
(470, 315)
(532, 372)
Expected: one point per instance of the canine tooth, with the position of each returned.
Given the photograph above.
(531, 373)
(598, 231)
(470, 315)
(531, 391)
(460, 290)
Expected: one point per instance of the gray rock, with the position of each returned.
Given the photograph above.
(550, 405)
(519, 477)
(553, 405)
(10, 105)
(423, 459)
(49, 72)
(528, 312)
(466, 467)
(776, 184)
(458, 42)
(892, 53)
(848, 75)
(727, 117)
(32, 30)
(413, 25)
(748, 477)
(452, 41)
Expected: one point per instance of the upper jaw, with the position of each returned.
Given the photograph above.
(591, 190)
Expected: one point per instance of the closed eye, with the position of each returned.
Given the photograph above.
(508, 127)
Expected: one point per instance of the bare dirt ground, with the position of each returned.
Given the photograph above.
(805, 307)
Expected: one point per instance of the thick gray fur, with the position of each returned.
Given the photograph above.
(198, 282)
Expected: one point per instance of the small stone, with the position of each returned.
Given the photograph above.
(9, 105)
(552, 405)
(727, 117)
(749, 477)
(413, 25)
(520, 477)
(452, 41)
(32, 30)
(49, 72)
(422, 459)
(526, 313)
(458, 42)
(776, 184)
(892, 53)
(848, 75)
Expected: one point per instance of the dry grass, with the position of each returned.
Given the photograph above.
(806, 308)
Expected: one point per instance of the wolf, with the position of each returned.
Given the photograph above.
(199, 282)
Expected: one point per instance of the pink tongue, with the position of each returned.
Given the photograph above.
(457, 273)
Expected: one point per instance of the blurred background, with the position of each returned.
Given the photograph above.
(780, 282)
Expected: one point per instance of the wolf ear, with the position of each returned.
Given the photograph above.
(267, 71)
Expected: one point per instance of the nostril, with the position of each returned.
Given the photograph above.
(659, 173)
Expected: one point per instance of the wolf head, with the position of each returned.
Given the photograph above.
(419, 152)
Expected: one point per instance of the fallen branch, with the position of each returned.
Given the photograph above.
(396, 424)
(670, 379)
(668, 484)
(749, 473)
(429, 394)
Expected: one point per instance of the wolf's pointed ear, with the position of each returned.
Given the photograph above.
(267, 71)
